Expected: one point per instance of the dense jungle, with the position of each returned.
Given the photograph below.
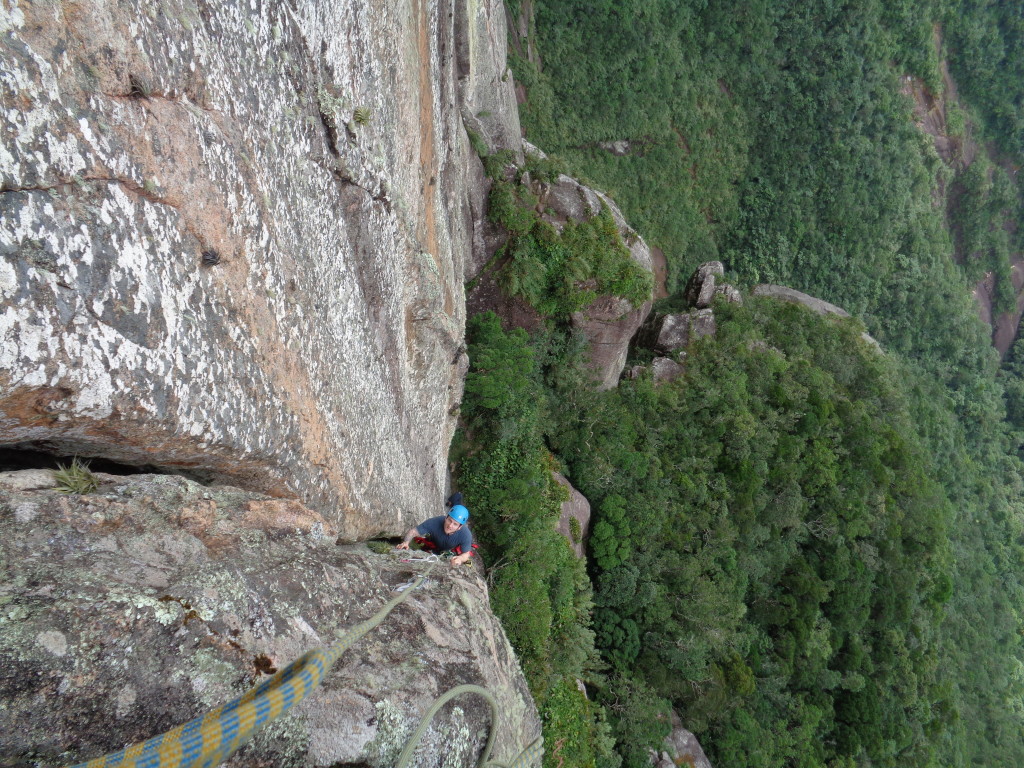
(812, 550)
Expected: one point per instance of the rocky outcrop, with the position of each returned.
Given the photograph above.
(575, 508)
(682, 747)
(700, 289)
(819, 306)
(672, 333)
(128, 611)
(232, 239)
(666, 369)
(610, 322)
(669, 335)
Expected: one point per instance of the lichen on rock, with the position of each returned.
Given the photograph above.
(93, 656)
(209, 264)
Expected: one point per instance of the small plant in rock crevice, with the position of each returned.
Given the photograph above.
(76, 478)
(361, 116)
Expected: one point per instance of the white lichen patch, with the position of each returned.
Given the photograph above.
(53, 641)
(456, 738)
(393, 731)
(25, 511)
(164, 612)
(125, 701)
(212, 679)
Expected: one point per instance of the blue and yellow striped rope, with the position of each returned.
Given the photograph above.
(212, 738)
(209, 740)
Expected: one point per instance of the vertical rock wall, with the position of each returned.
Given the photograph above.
(232, 238)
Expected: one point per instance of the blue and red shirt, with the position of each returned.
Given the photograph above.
(433, 529)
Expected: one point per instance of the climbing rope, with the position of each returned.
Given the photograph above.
(210, 739)
(524, 758)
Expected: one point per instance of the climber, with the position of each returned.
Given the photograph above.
(445, 532)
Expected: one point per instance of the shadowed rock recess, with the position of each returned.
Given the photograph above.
(172, 598)
(232, 239)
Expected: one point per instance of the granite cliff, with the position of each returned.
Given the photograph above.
(234, 236)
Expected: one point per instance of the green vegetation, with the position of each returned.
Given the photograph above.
(812, 551)
(986, 50)
(559, 272)
(361, 116)
(540, 590)
(76, 478)
(780, 555)
(985, 201)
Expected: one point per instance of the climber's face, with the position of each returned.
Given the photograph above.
(450, 526)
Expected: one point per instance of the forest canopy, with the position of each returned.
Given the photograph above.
(812, 550)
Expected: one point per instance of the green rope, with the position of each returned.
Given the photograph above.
(524, 758)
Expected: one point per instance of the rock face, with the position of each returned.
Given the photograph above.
(700, 290)
(576, 508)
(672, 333)
(129, 611)
(609, 322)
(789, 294)
(666, 369)
(232, 239)
(682, 747)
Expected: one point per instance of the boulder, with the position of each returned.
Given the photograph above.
(28, 480)
(671, 333)
(700, 289)
(233, 240)
(576, 508)
(666, 369)
(820, 306)
(608, 325)
(728, 293)
(126, 612)
(683, 748)
(619, 148)
(610, 322)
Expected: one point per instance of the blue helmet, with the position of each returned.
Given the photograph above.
(459, 514)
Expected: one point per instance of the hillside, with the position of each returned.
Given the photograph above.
(810, 550)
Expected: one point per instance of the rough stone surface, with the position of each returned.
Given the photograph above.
(488, 107)
(576, 508)
(675, 332)
(233, 237)
(682, 747)
(700, 289)
(608, 325)
(666, 369)
(729, 293)
(126, 612)
(28, 480)
(702, 323)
